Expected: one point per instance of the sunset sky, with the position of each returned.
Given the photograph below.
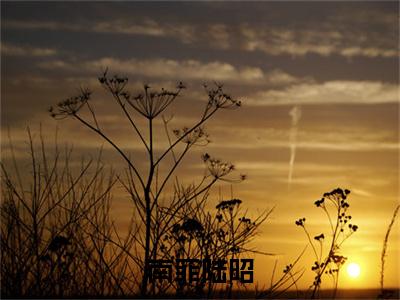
(336, 63)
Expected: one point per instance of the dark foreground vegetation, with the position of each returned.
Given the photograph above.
(58, 238)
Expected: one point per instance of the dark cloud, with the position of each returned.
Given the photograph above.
(338, 60)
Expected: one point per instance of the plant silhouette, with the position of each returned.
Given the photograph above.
(51, 223)
(181, 215)
(58, 238)
(342, 228)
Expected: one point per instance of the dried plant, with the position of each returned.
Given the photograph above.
(199, 234)
(329, 262)
(157, 212)
(55, 227)
(289, 278)
(385, 293)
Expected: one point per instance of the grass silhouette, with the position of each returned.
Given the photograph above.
(58, 238)
(385, 293)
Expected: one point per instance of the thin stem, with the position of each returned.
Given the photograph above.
(330, 253)
(171, 171)
(122, 105)
(168, 136)
(99, 132)
(205, 118)
(329, 217)
(311, 243)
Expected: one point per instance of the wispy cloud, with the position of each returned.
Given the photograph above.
(340, 139)
(14, 50)
(338, 91)
(41, 25)
(331, 39)
(173, 69)
(282, 167)
(147, 27)
(350, 146)
(190, 69)
(324, 42)
(220, 36)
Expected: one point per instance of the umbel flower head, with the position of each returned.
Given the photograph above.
(197, 136)
(216, 167)
(70, 106)
(300, 222)
(148, 103)
(319, 237)
(151, 103)
(228, 204)
(190, 227)
(338, 197)
(219, 99)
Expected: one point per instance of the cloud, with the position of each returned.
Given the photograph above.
(350, 146)
(278, 76)
(340, 139)
(219, 36)
(14, 50)
(332, 38)
(147, 27)
(324, 42)
(361, 192)
(337, 91)
(175, 69)
(353, 146)
(282, 167)
(358, 17)
(190, 69)
(368, 52)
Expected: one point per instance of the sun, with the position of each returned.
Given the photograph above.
(354, 270)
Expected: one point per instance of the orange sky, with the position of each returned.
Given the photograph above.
(336, 62)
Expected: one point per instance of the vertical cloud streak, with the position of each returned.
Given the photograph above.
(295, 114)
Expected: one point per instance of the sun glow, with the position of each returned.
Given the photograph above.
(353, 269)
